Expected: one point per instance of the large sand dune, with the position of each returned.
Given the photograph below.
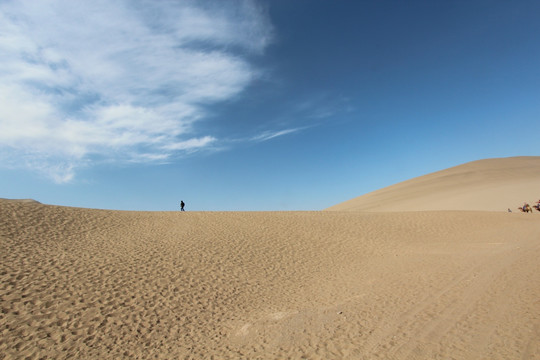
(96, 284)
(488, 185)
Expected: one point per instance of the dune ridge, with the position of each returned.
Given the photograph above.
(20, 200)
(82, 283)
(483, 185)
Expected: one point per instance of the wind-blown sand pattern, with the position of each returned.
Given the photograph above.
(97, 284)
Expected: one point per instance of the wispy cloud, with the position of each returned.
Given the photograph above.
(118, 80)
(323, 106)
(267, 135)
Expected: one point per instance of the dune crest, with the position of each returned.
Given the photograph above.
(24, 201)
(483, 185)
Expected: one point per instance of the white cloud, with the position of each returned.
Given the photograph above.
(192, 143)
(267, 135)
(118, 80)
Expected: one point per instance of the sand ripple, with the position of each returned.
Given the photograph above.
(79, 283)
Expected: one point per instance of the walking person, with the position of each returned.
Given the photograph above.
(182, 204)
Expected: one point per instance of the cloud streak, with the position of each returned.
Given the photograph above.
(267, 135)
(118, 80)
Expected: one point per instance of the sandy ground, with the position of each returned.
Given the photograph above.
(96, 284)
(484, 185)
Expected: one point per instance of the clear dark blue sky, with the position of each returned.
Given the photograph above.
(257, 105)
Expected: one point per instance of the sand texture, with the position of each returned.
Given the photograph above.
(95, 284)
(487, 185)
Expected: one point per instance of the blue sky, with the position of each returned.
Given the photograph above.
(257, 105)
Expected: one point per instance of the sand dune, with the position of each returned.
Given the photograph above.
(20, 200)
(96, 284)
(488, 185)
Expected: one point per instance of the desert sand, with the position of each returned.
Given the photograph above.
(486, 185)
(99, 284)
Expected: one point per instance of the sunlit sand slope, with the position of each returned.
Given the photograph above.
(489, 185)
(94, 284)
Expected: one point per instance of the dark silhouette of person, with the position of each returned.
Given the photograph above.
(182, 204)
